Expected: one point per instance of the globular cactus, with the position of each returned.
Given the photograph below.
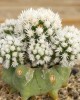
(30, 82)
(36, 38)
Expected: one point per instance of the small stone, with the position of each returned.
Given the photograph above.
(74, 71)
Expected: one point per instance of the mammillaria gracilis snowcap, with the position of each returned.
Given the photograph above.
(67, 47)
(45, 43)
(39, 27)
(11, 46)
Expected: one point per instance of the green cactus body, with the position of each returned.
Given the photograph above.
(39, 81)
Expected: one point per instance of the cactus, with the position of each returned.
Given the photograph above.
(38, 40)
(38, 81)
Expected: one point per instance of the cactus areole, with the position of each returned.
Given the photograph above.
(36, 53)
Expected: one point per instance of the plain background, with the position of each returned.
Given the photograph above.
(69, 10)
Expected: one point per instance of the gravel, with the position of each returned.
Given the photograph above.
(71, 92)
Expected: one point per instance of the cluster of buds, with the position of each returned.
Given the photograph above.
(38, 36)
